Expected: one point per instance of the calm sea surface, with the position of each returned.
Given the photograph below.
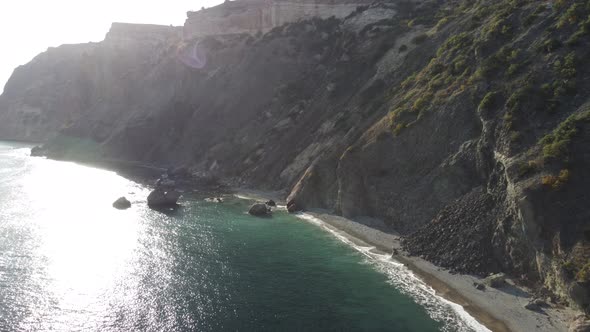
(71, 262)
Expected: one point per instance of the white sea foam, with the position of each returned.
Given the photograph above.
(453, 316)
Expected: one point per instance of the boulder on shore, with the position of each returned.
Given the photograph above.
(479, 286)
(535, 305)
(271, 203)
(259, 210)
(163, 198)
(122, 203)
(37, 151)
(292, 206)
(495, 280)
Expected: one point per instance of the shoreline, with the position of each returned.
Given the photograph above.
(497, 309)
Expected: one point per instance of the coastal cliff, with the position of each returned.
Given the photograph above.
(462, 125)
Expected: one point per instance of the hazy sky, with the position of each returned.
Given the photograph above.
(29, 27)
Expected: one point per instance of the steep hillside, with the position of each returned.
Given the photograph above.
(461, 124)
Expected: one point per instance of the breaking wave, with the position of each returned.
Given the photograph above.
(453, 316)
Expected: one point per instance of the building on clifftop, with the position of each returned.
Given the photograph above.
(251, 16)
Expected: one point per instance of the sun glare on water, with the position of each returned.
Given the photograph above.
(86, 243)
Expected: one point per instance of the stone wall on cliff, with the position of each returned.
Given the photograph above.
(261, 15)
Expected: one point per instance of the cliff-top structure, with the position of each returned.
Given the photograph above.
(252, 16)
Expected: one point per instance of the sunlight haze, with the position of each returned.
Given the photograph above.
(29, 27)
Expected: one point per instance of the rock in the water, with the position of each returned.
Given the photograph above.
(580, 324)
(37, 151)
(495, 280)
(292, 206)
(163, 198)
(259, 210)
(122, 203)
(271, 203)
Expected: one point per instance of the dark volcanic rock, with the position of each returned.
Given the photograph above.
(271, 203)
(259, 210)
(479, 286)
(460, 237)
(293, 207)
(37, 151)
(122, 203)
(160, 197)
(495, 280)
(536, 305)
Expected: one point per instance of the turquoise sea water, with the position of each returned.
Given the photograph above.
(70, 262)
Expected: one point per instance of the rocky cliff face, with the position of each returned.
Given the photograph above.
(461, 124)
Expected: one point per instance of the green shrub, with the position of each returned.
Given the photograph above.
(550, 45)
(555, 149)
(441, 23)
(569, 266)
(512, 69)
(409, 80)
(584, 274)
(488, 100)
(437, 82)
(516, 99)
(496, 27)
(568, 69)
(513, 55)
(456, 42)
(422, 102)
(398, 128)
(540, 8)
(557, 142)
(571, 16)
(546, 89)
(459, 65)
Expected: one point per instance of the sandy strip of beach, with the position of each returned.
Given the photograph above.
(498, 309)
